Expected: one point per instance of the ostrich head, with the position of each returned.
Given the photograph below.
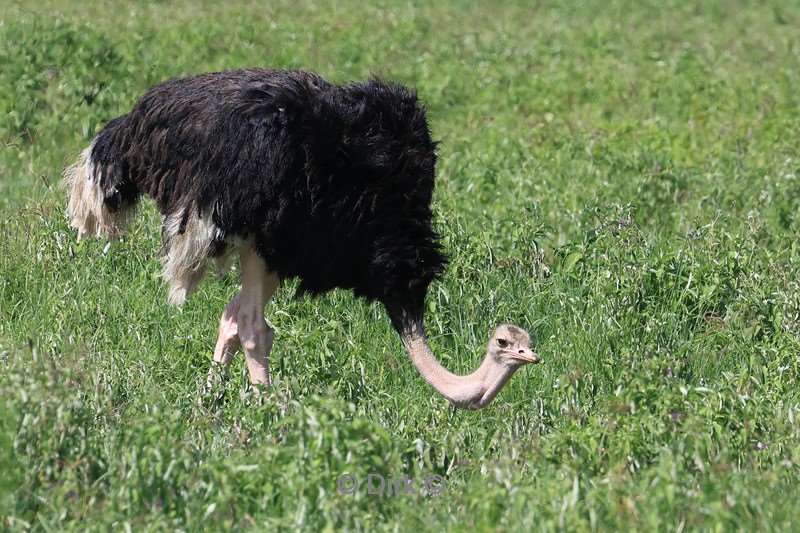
(510, 346)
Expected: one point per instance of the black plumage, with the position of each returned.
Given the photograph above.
(333, 183)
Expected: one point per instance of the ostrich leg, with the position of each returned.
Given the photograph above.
(258, 286)
(228, 339)
(227, 344)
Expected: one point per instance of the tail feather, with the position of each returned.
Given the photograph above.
(88, 211)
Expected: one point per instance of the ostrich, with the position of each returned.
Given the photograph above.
(300, 178)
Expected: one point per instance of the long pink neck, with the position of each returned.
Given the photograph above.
(472, 391)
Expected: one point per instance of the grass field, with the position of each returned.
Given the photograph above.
(622, 178)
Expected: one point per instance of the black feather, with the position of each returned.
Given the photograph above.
(334, 183)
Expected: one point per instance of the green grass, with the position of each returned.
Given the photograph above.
(619, 177)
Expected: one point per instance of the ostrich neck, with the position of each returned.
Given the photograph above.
(472, 391)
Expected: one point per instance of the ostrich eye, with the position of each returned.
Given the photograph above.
(502, 342)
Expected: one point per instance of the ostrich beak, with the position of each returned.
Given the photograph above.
(526, 355)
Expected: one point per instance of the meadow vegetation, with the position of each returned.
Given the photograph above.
(621, 178)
